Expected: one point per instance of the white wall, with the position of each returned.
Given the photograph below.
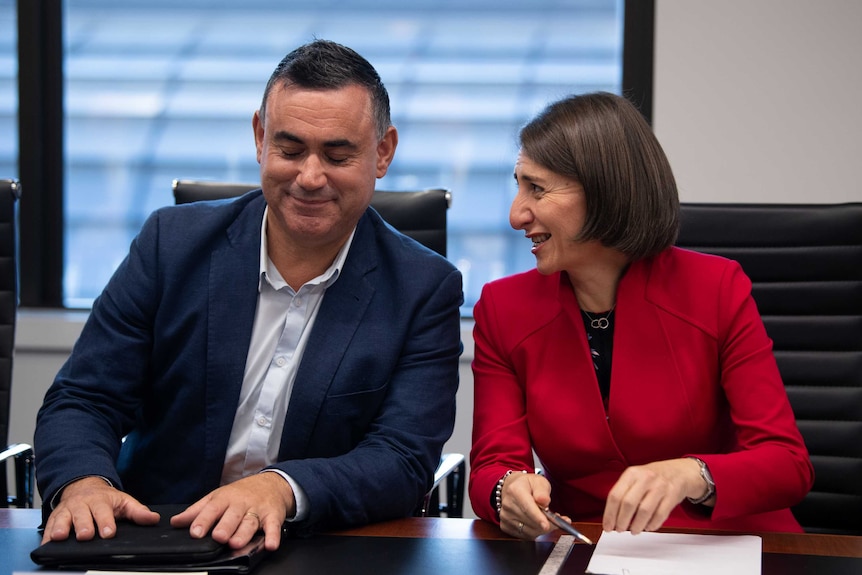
(755, 100)
(759, 100)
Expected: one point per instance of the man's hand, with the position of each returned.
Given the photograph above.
(644, 496)
(91, 504)
(235, 512)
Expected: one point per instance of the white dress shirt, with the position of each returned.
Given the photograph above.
(282, 324)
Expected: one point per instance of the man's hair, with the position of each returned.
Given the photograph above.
(325, 65)
(603, 142)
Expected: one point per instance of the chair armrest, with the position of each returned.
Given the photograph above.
(15, 450)
(453, 470)
(22, 455)
(449, 462)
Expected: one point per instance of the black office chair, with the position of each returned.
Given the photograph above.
(421, 215)
(805, 263)
(20, 453)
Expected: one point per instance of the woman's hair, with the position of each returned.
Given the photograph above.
(325, 65)
(602, 141)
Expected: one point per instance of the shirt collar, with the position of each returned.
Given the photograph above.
(270, 275)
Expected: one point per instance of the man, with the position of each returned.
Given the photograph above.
(285, 356)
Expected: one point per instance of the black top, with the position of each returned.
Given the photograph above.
(601, 342)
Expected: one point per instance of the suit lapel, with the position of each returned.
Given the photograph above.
(232, 294)
(343, 306)
(646, 398)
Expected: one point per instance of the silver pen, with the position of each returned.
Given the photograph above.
(562, 524)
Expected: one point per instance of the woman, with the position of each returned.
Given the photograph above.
(640, 374)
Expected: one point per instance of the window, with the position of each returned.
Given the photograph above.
(165, 89)
(8, 92)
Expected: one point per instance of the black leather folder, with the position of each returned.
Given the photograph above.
(149, 548)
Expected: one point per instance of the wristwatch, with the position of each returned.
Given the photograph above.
(710, 484)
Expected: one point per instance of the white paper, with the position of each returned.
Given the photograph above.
(675, 554)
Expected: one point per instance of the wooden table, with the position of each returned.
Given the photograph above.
(795, 543)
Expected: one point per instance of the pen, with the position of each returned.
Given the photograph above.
(559, 522)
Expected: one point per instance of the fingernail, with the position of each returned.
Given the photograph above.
(197, 531)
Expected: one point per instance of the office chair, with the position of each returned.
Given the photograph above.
(805, 263)
(421, 215)
(20, 453)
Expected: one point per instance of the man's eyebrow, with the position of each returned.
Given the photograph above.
(283, 136)
(342, 143)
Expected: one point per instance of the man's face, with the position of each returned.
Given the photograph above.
(319, 158)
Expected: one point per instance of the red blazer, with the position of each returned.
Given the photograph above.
(693, 374)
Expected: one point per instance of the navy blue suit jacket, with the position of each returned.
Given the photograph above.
(162, 356)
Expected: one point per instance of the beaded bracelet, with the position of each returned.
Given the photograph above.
(498, 491)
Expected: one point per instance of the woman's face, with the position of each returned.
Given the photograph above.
(551, 210)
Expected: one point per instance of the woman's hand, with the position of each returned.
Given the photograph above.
(523, 497)
(644, 495)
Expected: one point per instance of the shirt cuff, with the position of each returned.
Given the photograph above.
(299, 497)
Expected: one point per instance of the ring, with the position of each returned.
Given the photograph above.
(255, 515)
(520, 528)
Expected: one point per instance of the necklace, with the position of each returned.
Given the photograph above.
(602, 321)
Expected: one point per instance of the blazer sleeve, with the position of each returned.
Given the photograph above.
(501, 438)
(92, 402)
(769, 468)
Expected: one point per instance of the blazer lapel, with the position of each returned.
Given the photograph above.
(343, 306)
(342, 309)
(232, 294)
(644, 371)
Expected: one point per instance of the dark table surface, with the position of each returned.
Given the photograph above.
(443, 545)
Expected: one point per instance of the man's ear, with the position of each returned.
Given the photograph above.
(386, 150)
(257, 127)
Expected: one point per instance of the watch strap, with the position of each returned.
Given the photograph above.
(710, 484)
